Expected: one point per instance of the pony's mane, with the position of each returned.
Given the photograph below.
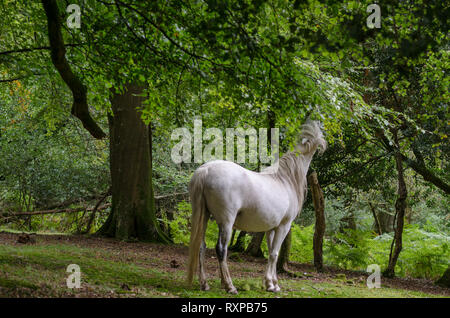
(291, 171)
(311, 137)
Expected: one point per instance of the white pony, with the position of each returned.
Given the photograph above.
(250, 201)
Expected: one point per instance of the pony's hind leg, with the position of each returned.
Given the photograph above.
(202, 276)
(221, 250)
(268, 277)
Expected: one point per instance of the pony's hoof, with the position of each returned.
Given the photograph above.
(232, 290)
(274, 289)
(205, 287)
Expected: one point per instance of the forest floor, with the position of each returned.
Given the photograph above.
(35, 266)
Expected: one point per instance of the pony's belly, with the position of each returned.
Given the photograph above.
(249, 221)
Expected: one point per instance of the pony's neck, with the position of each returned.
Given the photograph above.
(291, 166)
(306, 160)
(300, 183)
(303, 162)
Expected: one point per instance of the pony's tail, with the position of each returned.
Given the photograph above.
(199, 220)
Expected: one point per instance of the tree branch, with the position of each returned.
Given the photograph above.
(426, 174)
(80, 107)
(354, 170)
(170, 39)
(418, 166)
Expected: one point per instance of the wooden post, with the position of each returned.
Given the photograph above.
(319, 209)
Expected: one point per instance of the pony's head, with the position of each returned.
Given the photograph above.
(311, 138)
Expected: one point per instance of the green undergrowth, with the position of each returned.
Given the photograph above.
(425, 253)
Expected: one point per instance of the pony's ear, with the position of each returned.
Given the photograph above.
(306, 143)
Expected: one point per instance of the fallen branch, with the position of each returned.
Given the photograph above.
(73, 210)
(65, 204)
(169, 195)
(105, 206)
(94, 211)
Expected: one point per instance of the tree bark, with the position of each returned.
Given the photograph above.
(319, 229)
(254, 248)
(133, 213)
(400, 208)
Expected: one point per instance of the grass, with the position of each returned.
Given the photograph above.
(39, 270)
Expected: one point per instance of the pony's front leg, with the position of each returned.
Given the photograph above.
(276, 237)
(221, 250)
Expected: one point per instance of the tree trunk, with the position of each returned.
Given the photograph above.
(348, 222)
(133, 205)
(386, 220)
(444, 281)
(319, 229)
(376, 220)
(400, 207)
(239, 246)
(254, 248)
(383, 221)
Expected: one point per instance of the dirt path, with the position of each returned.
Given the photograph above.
(172, 258)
